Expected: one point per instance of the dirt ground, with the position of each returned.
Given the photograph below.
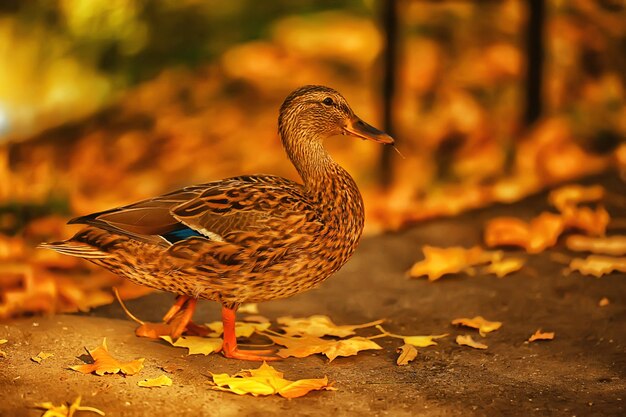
(582, 372)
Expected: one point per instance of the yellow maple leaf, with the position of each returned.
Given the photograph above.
(609, 245)
(598, 265)
(41, 356)
(3, 354)
(319, 325)
(441, 261)
(248, 308)
(160, 381)
(267, 381)
(196, 345)
(504, 267)
(417, 341)
(104, 363)
(539, 335)
(242, 329)
(306, 345)
(478, 322)
(64, 410)
(407, 354)
(467, 340)
(592, 221)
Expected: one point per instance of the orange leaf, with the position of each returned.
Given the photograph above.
(407, 354)
(539, 335)
(598, 265)
(540, 233)
(319, 325)
(604, 302)
(467, 340)
(505, 267)
(610, 245)
(104, 363)
(441, 261)
(478, 322)
(571, 195)
(594, 222)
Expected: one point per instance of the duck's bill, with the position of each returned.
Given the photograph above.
(357, 127)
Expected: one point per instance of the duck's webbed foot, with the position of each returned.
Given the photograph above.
(230, 348)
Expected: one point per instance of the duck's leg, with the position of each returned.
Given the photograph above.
(229, 347)
(182, 322)
(180, 302)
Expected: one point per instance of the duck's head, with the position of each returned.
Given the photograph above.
(315, 112)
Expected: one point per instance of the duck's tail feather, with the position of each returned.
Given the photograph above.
(73, 248)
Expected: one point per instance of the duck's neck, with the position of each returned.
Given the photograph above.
(327, 183)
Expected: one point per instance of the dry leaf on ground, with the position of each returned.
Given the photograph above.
(504, 267)
(303, 346)
(539, 335)
(467, 340)
(65, 410)
(242, 329)
(267, 381)
(248, 308)
(319, 325)
(535, 236)
(604, 302)
(407, 354)
(160, 381)
(610, 245)
(196, 345)
(3, 354)
(571, 195)
(41, 356)
(417, 341)
(592, 221)
(478, 322)
(441, 261)
(598, 265)
(104, 363)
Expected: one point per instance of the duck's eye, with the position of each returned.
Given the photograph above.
(328, 101)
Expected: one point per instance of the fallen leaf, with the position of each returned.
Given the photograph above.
(161, 381)
(255, 319)
(571, 195)
(417, 341)
(535, 236)
(41, 356)
(248, 308)
(64, 410)
(598, 265)
(539, 335)
(441, 261)
(604, 302)
(154, 330)
(3, 354)
(407, 354)
(610, 245)
(319, 325)
(307, 345)
(478, 322)
(592, 221)
(467, 340)
(104, 363)
(196, 345)
(242, 329)
(267, 381)
(504, 267)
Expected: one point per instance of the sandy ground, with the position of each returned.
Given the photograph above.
(582, 372)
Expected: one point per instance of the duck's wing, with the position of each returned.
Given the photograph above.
(213, 210)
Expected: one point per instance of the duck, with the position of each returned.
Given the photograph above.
(245, 239)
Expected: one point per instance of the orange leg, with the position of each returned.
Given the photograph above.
(230, 349)
(180, 302)
(181, 324)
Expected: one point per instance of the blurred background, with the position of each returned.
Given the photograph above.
(104, 102)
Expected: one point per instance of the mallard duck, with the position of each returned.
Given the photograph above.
(244, 239)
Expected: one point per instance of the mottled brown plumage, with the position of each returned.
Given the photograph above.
(243, 239)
